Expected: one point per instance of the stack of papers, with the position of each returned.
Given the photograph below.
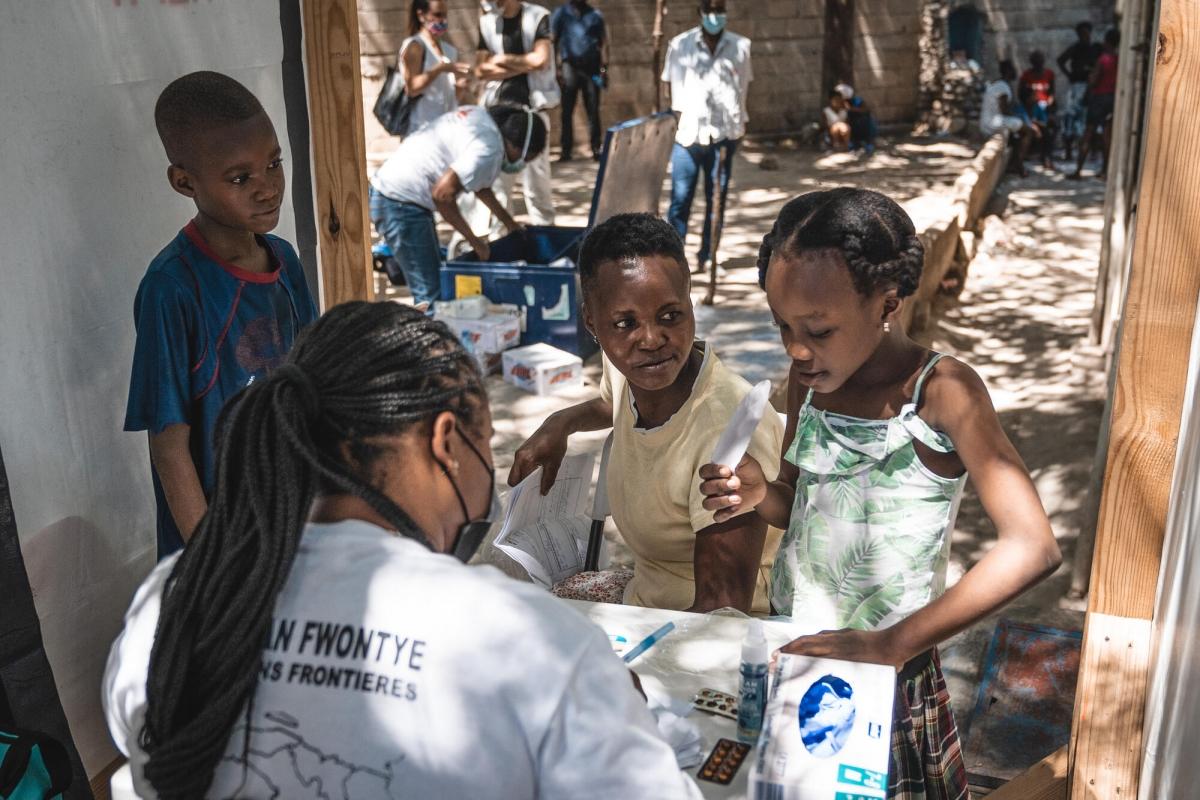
(548, 536)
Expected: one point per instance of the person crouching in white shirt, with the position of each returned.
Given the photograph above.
(322, 628)
(707, 75)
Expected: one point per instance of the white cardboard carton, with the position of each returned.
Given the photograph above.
(475, 307)
(495, 333)
(542, 369)
(827, 732)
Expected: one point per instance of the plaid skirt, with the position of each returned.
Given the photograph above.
(926, 761)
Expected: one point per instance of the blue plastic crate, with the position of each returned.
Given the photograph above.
(536, 269)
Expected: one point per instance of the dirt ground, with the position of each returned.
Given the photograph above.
(1021, 321)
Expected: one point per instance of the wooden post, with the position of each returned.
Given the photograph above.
(1160, 312)
(339, 158)
(660, 11)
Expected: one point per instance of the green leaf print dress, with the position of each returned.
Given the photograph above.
(869, 537)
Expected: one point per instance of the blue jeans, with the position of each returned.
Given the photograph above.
(410, 231)
(686, 165)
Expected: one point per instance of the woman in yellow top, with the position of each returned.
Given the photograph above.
(668, 398)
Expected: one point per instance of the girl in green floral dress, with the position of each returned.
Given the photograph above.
(881, 436)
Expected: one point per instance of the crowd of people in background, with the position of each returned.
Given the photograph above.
(1030, 109)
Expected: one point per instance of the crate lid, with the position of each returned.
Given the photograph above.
(633, 166)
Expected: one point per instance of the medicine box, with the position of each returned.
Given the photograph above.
(827, 732)
(542, 369)
(485, 339)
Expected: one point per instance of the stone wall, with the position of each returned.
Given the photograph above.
(886, 56)
(1014, 28)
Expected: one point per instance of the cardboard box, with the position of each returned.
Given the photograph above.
(462, 308)
(495, 333)
(542, 369)
(827, 733)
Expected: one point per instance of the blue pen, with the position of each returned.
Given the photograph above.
(648, 642)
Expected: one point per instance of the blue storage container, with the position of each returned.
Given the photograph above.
(536, 269)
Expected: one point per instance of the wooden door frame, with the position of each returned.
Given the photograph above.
(333, 77)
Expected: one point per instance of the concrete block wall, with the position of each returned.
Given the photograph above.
(887, 58)
(787, 36)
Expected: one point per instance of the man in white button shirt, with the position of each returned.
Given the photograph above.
(707, 74)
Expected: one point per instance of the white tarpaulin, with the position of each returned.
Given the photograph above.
(1173, 701)
(84, 206)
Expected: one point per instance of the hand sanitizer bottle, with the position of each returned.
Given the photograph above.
(752, 697)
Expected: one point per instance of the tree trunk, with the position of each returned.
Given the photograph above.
(838, 62)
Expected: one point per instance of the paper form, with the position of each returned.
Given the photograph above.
(548, 535)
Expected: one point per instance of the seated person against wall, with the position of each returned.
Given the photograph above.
(667, 398)
(1037, 121)
(322, 628)
(863, 127)
(998, 113)
(837, 126)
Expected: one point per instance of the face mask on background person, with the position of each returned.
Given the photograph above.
(712, 23)
(438, 27)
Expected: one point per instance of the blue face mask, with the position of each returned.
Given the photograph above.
(713, 24)
(513, 167)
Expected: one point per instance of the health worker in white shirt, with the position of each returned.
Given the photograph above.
(464, 151)
(707, 74)
(322, 632)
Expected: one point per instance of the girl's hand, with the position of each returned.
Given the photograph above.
(872, 647)
(546, 448)
(732, 492)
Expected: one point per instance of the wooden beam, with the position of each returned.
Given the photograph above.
(1157, 328)
(1159, 314)
(339, 158)
(1045, 780)
(1110, 704)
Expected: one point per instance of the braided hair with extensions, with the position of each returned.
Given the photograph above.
(875, 236)
(361, 371)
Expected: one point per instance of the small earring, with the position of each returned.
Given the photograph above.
(887, 327)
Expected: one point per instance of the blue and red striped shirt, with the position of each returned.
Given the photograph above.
(207, 329)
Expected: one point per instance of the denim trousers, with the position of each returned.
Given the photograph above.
(410, 230)
(686, 165)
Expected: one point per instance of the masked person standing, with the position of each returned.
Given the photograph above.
(322, 627)
(516, 60)
(707, 75)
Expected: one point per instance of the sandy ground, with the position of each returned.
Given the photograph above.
(1021, 322)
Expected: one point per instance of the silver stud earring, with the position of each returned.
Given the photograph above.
(887, 327)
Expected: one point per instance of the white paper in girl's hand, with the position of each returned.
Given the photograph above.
(736, 439)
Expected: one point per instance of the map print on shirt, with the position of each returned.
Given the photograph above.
(278, 751)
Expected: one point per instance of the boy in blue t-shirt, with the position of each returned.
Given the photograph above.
(222, 303)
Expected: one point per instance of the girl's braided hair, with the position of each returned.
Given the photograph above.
(361, 371)
(873, 234)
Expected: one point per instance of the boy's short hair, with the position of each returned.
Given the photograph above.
(624, 237)
(199, 101)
